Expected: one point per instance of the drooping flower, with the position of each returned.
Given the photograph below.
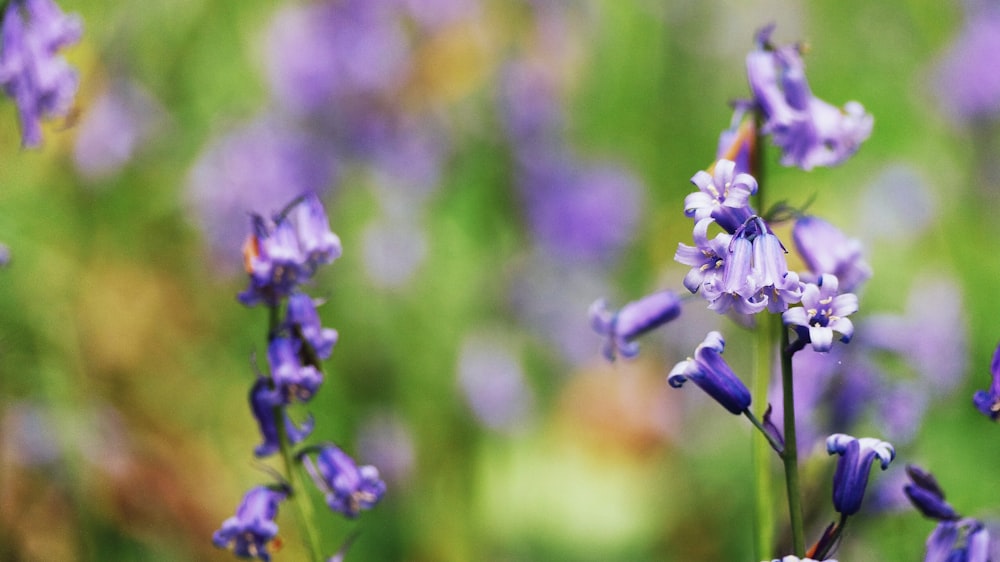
(348, 487)
(263, 401)
(988, 401)
(809, 131)
(711, 373)
(41, 83)
(825, 249)
(927, 496)
(823, 312)
(966, 540)
(294, 380)
(249, 531)
(756, 274)
(636, 318)
(304, 322)
(707, 259)
(722, 195)
(317, 243)
(851, 476)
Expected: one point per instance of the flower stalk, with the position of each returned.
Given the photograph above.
(790, 454)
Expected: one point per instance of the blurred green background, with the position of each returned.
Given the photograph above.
(126, 357)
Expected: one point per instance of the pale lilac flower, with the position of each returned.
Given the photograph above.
(393, 250)
(386, 440)
(809, 131)
(756, 274)
(988, 401)
(41, 83)
(348, 488)
(707, 259)
(853, 467)
(493, 382)
(824, 311)
(722, 195)
(317, 243)
(249, 531)
(114, 129)
(967, 91)
(825, 249)
(711, 373)
(621, 328)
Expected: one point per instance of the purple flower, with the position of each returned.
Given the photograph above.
(263, 401)
(823, 312)
(966, 90)
(851, 476)
(293, 380)
(710, 371)
(348, 487)
(41, 83)
(621, 328)
(756, 274)
(809, 131)
(252, 528)
(530, 107)
(707, 259)
(304, 321)
(317, 244)
(737, 142)
(493, 382)
(825, 249)
(988, 401)
(966, 540)
(927, 496)
(722, 195)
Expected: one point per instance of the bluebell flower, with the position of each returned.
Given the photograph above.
(966, 540)
(707, 259)
(293, 379)
(825, 249)
(851, 476)
(41, 83)
(722, 195)
(263, 401)
(927, 496)
(348, 488)
(988, 401)
(304, 322)
(252, 528)
(809, 131)
(824, 311)
(756, 274)
(318, 245)
(711, 373)
(621, 328)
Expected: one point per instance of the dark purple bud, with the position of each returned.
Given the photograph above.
(634, 319)
(712, 374)
(926, 495)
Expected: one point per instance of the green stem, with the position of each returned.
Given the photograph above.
(791, 455)
(775, 444)
(761, 447)
(298, 498)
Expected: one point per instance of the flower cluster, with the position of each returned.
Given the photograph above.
(280, 255)
(41, 83)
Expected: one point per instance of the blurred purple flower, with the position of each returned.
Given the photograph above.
(262, 165)
(252, 528)
(988, 401)
(722, 195)
(897, 206)
(263, 401)
(114, 128)
(293, 380)
(966, 540)
(967, 90)
(348, 488)
(385, 439)
(493, 382)
(41, 83)
(393, 250)
(824, 311)
(825, 249)
(320, 53)
(581, 213)
(302, 318)
(621, 328)
(530, 107)
(927, 496)
(711, 373)
(851, 476)
(809, 131)
(737, 142)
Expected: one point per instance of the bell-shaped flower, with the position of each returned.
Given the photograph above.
(621, 328)
(249, 531)
(304, 322)
(722, 195)
(294, 380)
(317, 243)
(263, 402)
(809, 131)
(966, 540)
(706, 259)
(853, 467)
(711, 373)
(272, 258)
(41, 83)
(348, 488)
(988, 401)
(927, 496)
(823, 312)
(825, 249)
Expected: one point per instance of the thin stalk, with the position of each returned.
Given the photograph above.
(298, 498)
(791, 455)
(760, 446)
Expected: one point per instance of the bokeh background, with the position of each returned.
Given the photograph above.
(492, 167)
